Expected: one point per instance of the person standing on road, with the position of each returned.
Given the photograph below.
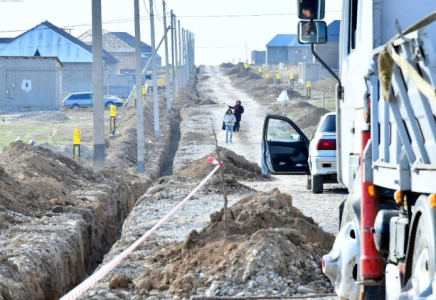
(239, 110)
(229, 121)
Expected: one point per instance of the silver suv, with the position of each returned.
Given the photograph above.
(78, 100)
(286, 150)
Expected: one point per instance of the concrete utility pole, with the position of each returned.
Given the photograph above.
(177, 82)
(153, 60)
(180, 57)
(185, 79)
(97, 86)
(167, 63)
(172, 58)
(139, 102)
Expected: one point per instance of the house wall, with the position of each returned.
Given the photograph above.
(258, 57)
(289, 55)
(29, 83)
(329, 52)
(299, 54)
(271, 55)
(77, 77)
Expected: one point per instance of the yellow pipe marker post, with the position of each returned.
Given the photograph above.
(309, 94)
(291, 77)
(112, 119)
(76, 143)
(267, 76)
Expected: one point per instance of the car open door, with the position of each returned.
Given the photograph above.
(285, 148)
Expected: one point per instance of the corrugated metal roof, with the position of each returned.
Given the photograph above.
(130, 40)
(49, 40)
(286, 40)
(333, 31)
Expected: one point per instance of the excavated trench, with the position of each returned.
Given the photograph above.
(45, 254)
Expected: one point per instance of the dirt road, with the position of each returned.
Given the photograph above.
(322, 208)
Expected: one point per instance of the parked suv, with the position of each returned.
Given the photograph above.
(286, 150)
(77, 100)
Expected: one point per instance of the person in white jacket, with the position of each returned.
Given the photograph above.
(229, 121)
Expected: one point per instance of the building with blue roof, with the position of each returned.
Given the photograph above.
(48, 40)
(329, 51)
(121, 45)
(285, 48)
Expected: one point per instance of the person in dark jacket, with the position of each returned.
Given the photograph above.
(238, 111)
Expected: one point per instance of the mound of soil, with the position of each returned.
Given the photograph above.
(311, 118)
(51, 117)
(302, 104)
(227, 65)
(271, 246)
(43, 178)
(233, 164)
(207, 102)
(327, 84)
(233, 71)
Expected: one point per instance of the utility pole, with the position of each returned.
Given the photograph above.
(184, 57)
(153, 60)
(139, 102)
(180, 57)
(97, 87)
(177, 82)
(172, 58)
(167, 71)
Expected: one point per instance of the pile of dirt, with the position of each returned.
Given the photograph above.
(301, 104)
(207, 102)
(227, 65)
(43, 179)
(52, 117)
(272, 248)
(326, 84)
(233, 164)
(310, 119)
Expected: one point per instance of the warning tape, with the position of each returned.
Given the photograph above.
(94, 278)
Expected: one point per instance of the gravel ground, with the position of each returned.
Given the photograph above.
(196, 142)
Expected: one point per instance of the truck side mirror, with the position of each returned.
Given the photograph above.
(312, 32)
(311, 9)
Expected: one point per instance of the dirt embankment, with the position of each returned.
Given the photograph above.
(58, 217)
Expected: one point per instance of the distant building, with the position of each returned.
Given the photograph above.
(258, 57)
(47, 40)
(30, 82)
(4, 42)
(285, 48)
(121, 45)
(329, 51)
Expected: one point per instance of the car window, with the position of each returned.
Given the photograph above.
(281, 131)
(329, 124)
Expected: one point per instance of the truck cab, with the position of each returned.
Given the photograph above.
(386, 147)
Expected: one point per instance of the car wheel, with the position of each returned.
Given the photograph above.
(75, 106)
(309, 182)
(109, 104)
(317, 185)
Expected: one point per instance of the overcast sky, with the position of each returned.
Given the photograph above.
(225, 30)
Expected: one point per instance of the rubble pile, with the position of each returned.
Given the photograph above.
(272, 249)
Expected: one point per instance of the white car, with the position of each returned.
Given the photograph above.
(286, 150)
(322, 154)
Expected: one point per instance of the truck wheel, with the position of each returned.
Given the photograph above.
(308, 182)
(317, 185)
(421, 257)
(75, 106)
